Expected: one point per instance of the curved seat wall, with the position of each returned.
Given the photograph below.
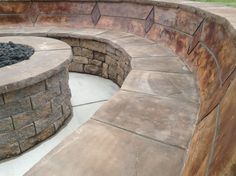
(204, 41)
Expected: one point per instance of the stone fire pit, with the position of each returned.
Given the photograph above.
(34, 95)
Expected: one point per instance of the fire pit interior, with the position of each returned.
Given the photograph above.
(11, 53)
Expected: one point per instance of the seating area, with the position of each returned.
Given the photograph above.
(175, 64)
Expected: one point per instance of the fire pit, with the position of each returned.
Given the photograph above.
(34, 93)
(11, 53)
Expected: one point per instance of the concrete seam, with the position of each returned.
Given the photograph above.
(144, 136)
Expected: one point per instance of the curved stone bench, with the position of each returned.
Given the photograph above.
(147, 126)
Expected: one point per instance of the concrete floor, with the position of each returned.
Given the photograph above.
(88, 94)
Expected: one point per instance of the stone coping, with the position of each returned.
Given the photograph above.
(40, 66)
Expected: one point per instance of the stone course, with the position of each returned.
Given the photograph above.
(98, 58)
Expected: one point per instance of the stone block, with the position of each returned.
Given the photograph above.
(6, 125)
(87, 53)
(77, 51)
(93, 45)
(25, 118)
(135, 26)
(71, 8)
(40, 99)
(80, 59)
(43, 123)
(104, 70)
(95, 62)
(165, 16)
(187, 22)
(219, 40)
(128, 10)
(112, 73)
(25, 92)
(110, 61)
(16, 135)
(76, 67)
(92, 69)
(99, 56)
(30, 142)
(13, 108)
(71, 41)
(8, 150)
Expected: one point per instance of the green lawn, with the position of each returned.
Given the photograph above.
(224, 2)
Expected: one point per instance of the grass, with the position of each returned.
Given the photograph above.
(223, 2)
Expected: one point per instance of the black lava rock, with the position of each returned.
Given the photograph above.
(11, 53)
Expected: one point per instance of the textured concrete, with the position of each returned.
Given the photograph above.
(100, 149)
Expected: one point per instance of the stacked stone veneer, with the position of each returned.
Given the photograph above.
(203, 39)
(32, 114)
(98, 58)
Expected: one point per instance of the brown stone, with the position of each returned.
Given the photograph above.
(99, 56)
(219, 40)
(207, 79)
(64, 20)
(6, 125)
(125, 24)
(8, 150)
(92, 69)
(25, 118)
(16, 135)
(200, 147)
(30, 142)
(165, 16)
(80, 60)
(23, 93)
(129, 10)
(224, 158)
(14, 20)
(93, 45)
(13, 108)
(71, 41)
(104, 70)
(187, 22)
(76, 67)
(14, 7)
(72, 8)
(95, 62)
(40, 99)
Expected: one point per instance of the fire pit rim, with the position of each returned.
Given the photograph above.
(29, 72)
